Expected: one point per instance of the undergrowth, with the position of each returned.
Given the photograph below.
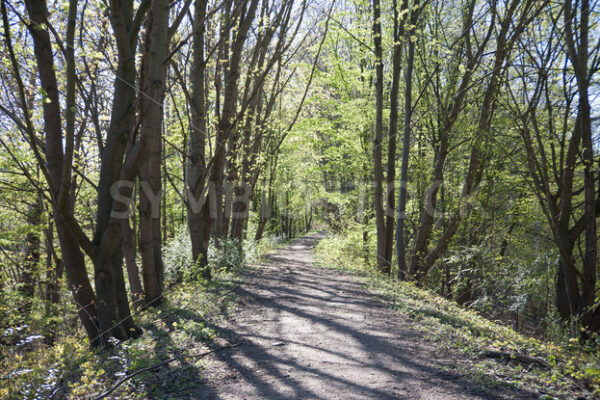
(185, 324)
(561, 370)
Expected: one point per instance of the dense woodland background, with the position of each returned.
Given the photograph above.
(449, 143)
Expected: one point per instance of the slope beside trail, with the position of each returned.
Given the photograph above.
(315, 333)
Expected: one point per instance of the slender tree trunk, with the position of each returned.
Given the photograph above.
(153, 87)
(591, 319)
(227, 201)
(58, 167)
(54, 273)
(263, 214)
(31, 256)
(133, 273)
(232, 169)
(54, 268)
(198, 204)
(377, 143)
(563, 305)
(402, 196)
(428, 211)
(389, 202)
(260, 229)
(266, 203)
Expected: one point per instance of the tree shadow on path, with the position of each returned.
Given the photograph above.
(314, 333)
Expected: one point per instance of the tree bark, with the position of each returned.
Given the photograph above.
(382, 263)
(579, 54)
(402, 196)
(133, 272)
(198, 203)
(114, 315)
(153, 87)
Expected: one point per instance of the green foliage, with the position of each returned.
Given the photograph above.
(254, 251)
(177, 257)
(229, 256)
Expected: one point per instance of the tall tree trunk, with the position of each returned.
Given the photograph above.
(262, 217)
(563, 300)
(198, 204)
(58, 167)
(389, 202)
(578, 52)
(382, 264)
(54, 273)
(153, 87)
(232, 169)
(402, 196)
(266, 203)
(114, 315)
(591, 319)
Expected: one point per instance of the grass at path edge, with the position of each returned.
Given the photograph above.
(572, 372)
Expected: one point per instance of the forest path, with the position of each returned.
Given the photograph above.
(315, 333)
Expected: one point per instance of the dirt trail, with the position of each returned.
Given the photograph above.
(315, 333)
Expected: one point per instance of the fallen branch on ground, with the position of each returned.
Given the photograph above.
(162, 364)
(521, 358)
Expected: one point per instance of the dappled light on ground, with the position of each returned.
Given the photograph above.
(315, 333)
